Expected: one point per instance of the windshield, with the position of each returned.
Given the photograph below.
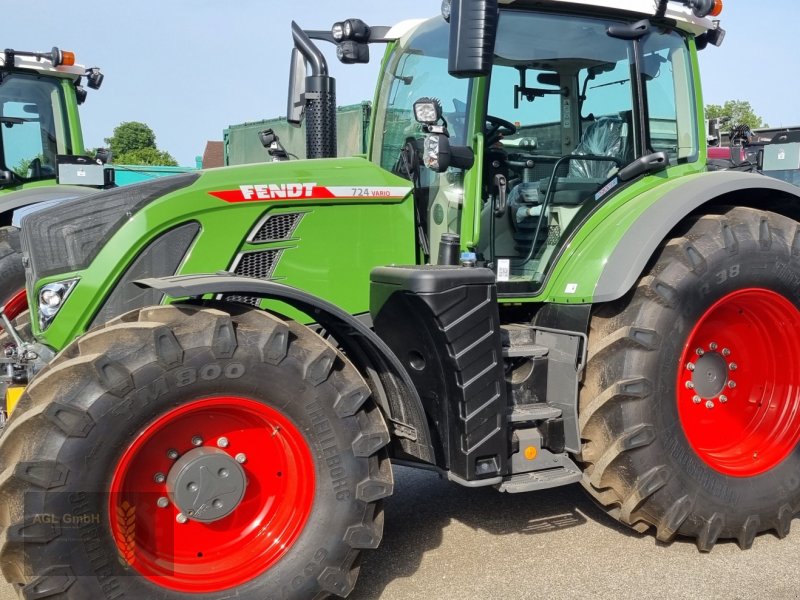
(562, 120)
(418, 69)
(32, 125)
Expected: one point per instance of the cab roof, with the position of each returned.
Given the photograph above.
(42, 66)
(681, 14)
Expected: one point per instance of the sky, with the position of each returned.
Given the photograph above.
(191, 68)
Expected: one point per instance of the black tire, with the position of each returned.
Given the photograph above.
(78, 417)
(12, 273)
(639, 462)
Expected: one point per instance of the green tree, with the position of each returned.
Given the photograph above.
(146, 156)
(737, 112)
(134, 143)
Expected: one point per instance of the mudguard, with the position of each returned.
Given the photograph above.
(606, 263)
(398, 397)
(639, 243)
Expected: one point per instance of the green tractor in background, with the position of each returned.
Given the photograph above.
(530, 281)
(41, 144)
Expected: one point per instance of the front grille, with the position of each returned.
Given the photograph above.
(553, 235)
(277, 227)
(258, 264)
(161, 258)
(252, 300)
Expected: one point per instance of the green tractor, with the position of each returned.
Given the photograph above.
(41, 144)
(531, 280)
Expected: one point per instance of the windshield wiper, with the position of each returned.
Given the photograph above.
(602, 85)
(11, 121)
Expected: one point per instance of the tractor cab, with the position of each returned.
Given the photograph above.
(38, 120)
(571, 108)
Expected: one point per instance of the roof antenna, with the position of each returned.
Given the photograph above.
(662, 8)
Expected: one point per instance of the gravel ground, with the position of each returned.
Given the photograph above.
(445, 542)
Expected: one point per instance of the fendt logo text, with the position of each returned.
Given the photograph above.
(275, 191)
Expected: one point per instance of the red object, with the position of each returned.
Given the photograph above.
(738, 384)
(16, 305)
(735, 153)
(201, 557)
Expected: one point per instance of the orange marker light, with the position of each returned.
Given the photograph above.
(67, 58)
(717, 10)
(530, 452)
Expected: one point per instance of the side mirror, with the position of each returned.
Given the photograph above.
(473, 31)
(297, 88)
(6, 177)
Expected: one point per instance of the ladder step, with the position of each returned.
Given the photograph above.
(527, 350)
(540, 480)
(533, 412)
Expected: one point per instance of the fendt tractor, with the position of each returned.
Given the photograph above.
(530, 280)
(41, 143)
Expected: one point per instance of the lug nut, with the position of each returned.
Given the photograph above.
(690, 366)
(181, 518)
(731, 384)
(222, 442)
(240, 458)
(197, 441)
(726, 352)
(723, 399)
(172, 454)
(163, 502)
(699, 352)
(709, 404)
(159, 478)
(217, 504)
(192, 487)
(697, 399)
(713, 346)
(733, 366)
(689, 385)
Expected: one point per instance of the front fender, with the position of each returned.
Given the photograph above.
(396, 395)
(610, 259)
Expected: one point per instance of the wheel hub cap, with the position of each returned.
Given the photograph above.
(710, 375)
(206, 484)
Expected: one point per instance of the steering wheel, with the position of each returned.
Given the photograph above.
(497, 127)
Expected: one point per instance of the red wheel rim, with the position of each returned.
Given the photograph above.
(213, 556)
(16, 305)
(738, 387)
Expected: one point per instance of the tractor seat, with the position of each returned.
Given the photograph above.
(605, 136)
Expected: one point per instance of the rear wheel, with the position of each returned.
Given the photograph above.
(187, 450)
(690, 408)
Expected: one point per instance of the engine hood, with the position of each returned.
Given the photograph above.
(31, 200)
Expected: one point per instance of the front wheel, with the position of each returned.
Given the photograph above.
(12, 273)
(181, 451)
(690, 408)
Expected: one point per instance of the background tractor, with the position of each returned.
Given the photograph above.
(41, 143)
(530, 280)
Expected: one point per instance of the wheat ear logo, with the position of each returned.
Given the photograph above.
(126, 520)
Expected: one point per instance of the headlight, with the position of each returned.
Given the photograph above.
(51, 298)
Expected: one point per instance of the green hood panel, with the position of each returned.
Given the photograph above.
(346, 216)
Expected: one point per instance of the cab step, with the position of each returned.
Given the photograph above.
(539, 411)
(525, 351)
(541, 480)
